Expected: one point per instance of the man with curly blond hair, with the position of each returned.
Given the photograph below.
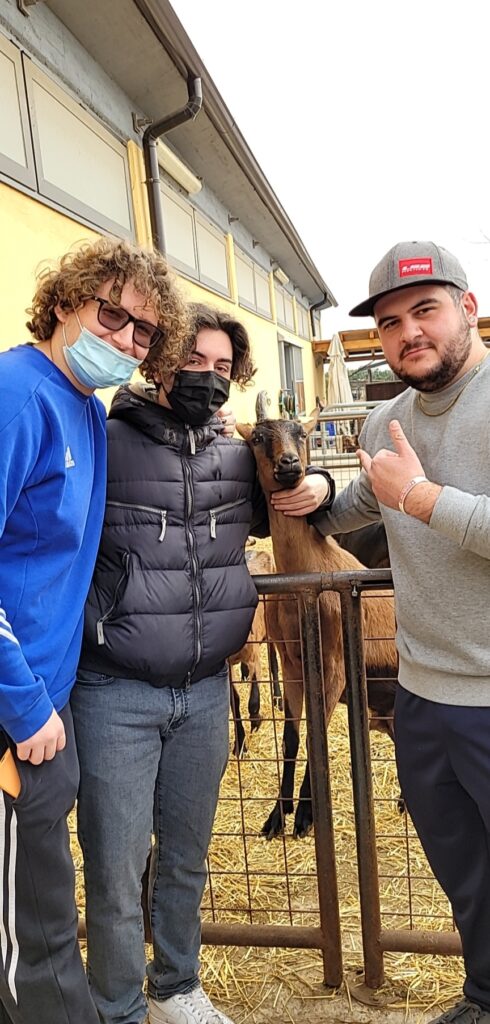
(108, 308)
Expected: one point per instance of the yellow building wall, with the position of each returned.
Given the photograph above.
(30, 234)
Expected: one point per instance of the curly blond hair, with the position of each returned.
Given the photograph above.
(81, 271)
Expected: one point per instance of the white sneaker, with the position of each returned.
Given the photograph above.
(192, 1007)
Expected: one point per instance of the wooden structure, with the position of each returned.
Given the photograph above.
(363, 344)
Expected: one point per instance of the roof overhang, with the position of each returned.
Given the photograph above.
(143, 47)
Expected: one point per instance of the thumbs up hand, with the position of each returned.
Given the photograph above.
(389, 471)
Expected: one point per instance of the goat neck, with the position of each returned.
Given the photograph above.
(296, 545)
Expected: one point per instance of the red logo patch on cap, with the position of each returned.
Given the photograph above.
(416, 267)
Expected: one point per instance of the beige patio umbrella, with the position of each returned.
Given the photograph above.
(339, 391)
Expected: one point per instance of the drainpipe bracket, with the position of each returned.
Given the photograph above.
(139, 122)
(23, 5)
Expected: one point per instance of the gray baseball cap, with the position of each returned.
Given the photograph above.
(409, 263)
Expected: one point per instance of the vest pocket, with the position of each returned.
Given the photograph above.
(214, 513)
(118, 592)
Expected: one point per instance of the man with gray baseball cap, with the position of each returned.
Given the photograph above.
(426, 474)
(408, 264)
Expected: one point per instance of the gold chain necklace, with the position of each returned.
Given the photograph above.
(455, 399)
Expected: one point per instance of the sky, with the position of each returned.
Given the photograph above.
(369, 118)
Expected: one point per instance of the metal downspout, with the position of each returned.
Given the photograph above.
(150, 139)
(322, 304)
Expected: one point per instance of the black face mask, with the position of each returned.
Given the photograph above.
(197, 395)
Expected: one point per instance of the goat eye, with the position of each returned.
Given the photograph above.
(257, 439)
(303, 435)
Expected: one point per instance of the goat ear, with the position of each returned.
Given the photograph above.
(310, 424)
(245, 430)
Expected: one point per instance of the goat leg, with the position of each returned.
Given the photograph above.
(239, 746)
(303, 819)
(274, 826)
(276, 686)
(254, 704)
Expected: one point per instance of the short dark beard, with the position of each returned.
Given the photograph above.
(449, 366)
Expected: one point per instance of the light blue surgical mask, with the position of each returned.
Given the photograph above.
(95, 363)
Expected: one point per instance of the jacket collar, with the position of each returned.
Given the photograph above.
(138, 405)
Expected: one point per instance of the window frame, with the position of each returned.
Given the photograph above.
(287, 352)
(196, 217)
(175, 197)
(260, 272)
(46, 190)
(306, 314)
(209, 282)
(24, 174)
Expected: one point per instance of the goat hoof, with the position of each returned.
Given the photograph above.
(278, 703)
(303, 822)
(274, 826)
(400, 804)
(240, 752)
(255, 723)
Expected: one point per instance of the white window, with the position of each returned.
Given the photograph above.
(16, 157)
(194, 246)
(179, 233)
(288, 311)
(211, 254)
(292, 377)
(253, 285)
(280, 311)
(303, 320)
(245, 280)
(262, 292)
(80, 165)
(284, 308)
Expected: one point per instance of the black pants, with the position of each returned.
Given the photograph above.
(42, 980)
(443, 758)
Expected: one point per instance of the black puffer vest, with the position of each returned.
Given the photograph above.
(171, 596)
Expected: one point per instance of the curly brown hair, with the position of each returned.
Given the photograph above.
(81, 271)
(201, 316)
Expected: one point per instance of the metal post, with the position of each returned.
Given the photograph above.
(320, 788)
(367, 864)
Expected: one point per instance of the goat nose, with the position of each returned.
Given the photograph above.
(288, 461)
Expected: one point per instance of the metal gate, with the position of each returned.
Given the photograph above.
(314, 924)
(326, 936)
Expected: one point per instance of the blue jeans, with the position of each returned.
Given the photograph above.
(150, 760)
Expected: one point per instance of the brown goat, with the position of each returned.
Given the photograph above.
(259, 563)
(280, 449)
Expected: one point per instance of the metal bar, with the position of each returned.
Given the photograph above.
(405, 941)
(285, 936)
(317, 582)
(367, 864)
(320, 789)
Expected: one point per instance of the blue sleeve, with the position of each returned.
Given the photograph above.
(21, 692)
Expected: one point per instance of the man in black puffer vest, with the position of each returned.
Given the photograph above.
(171, 599)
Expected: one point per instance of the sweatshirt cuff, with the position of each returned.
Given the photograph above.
(21, 727)
(452, 513)
(327, 501)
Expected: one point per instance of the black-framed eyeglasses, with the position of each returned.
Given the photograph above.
(114, 318)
